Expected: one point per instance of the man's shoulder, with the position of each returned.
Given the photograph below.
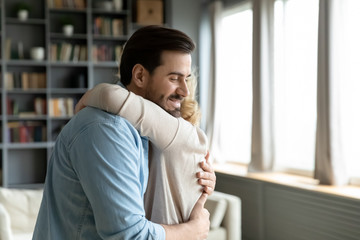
(92, 119)
(90, 115)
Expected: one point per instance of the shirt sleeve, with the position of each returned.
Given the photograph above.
(106, 159)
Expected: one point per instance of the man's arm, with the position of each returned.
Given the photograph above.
(196, 228)
(106, 157)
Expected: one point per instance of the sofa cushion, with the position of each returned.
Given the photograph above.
(217, 208)
(22, 207)
(217, 234)
(5, 230)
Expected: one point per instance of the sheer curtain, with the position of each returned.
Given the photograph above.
(337, 91)
(349, 76)
(295, 84)
(209, 85)
(262, 148)
(329, 158)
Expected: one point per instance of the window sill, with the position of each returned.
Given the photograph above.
(287, 179)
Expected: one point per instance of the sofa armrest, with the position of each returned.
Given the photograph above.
(216, 205)
(232, 215)
(22, 206)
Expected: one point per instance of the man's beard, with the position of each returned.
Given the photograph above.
(176, 112)
(161, 102)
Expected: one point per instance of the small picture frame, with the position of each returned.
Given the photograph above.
(150, 12)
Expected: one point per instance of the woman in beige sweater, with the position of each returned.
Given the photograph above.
(177, 148)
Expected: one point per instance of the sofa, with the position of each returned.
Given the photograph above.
(18, 212)
(225, 216)
(19, 209)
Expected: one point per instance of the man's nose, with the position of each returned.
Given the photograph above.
(183, 89)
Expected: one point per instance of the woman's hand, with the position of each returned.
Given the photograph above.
(81, 103)
(207, 178)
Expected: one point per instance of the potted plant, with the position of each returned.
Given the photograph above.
(22, 10)
(67, 26)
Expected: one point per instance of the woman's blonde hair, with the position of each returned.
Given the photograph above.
(190, 110)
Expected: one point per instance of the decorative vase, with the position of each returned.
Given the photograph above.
(23, 15)
(68, 30)
(118, 5)
(37, 53)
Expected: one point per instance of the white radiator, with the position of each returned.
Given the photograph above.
(276, 212)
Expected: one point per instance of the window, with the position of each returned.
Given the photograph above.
(295, 83)
(349, 71)
(235, 84)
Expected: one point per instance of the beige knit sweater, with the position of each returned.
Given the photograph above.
(177, 148)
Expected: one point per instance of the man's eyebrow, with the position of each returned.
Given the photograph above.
(179, 74)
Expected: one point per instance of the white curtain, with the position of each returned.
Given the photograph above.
(329, 160)
(209, 84)
(262, 149)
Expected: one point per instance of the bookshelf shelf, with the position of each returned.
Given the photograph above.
(25, 118)
(64, 37)
(109, 37)
(26, 91)
(97, 11)
(68, 90)
(106, 64)
(26, 62)
(37, 97)
(30, 21)
(61, 118)
(67, 10)
(27, 186)
(39, 145)
(69, 64)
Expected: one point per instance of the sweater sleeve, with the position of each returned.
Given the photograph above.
(147, 117)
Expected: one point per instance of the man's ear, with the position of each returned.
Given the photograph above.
(139, 74)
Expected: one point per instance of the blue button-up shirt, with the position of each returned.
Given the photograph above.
(95, 183)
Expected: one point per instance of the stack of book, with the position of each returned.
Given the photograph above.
(25, 80)
(77, 4)
(61, 107)
(28, 131)
(38, 109)
(108, 26)
(106, 53)
(66, 52)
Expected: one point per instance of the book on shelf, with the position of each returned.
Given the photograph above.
(108, 26)
(20, 50)
(8, 49)
(83, 53)
(9, 81)
(106, 53)
(117, 27)
(66, 52)
(76, 53)
(14, 50)
(39, 107)
(26, 131)
(61, 107)
(77, 4)
(25, 80)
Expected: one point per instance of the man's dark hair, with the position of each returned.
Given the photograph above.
(146, 45)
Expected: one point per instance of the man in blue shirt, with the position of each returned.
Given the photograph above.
(98, 172)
